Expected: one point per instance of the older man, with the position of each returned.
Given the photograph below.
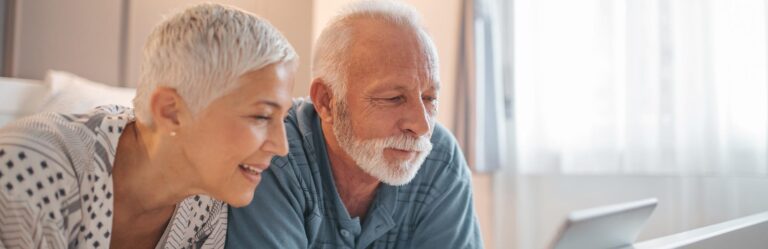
(368, 166)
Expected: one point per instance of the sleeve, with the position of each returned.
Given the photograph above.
(450, 220)
(274, 219)
(31, 214)
(218, 233)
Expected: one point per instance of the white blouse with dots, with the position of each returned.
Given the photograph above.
(56, 186)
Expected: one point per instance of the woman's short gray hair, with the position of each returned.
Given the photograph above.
(329, 60)
(202, 51)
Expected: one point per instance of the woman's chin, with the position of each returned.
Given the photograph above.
(242, 201)
(238, 197)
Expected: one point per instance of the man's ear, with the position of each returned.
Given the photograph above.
(167, 109)
(322, 98)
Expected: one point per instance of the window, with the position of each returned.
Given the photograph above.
(638, 86)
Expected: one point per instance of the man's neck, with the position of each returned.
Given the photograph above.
(356, 188)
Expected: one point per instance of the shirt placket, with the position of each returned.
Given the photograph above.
(348, 232)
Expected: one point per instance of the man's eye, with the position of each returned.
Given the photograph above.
(392, 99)
(261, 118)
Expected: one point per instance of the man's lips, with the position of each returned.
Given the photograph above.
(402, 154)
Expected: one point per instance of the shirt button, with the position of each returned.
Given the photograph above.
(344, 232)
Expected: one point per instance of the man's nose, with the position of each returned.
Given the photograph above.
(416, 120)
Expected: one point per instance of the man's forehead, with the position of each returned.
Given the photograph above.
(367, 57)
(379, 50)
(388, 70)
(390, 37)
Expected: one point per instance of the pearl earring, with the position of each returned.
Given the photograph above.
(173, 134)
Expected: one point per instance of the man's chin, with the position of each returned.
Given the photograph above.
(398, 175)
(399, 181)
(402, 172)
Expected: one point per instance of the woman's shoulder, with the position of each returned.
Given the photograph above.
(50, 127)
(44, 161)
(69, 139)
(38, 190)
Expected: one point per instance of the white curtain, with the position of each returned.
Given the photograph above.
(481, 110)
(639, 86)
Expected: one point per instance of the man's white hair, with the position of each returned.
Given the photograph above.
(202, 51)
(330, 62)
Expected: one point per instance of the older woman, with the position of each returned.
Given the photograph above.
(214, 88)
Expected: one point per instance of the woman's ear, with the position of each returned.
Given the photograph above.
(167, 109)
(322, 98)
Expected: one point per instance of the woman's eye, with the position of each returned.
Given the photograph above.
(394, 99)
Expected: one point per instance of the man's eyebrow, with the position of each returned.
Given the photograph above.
(402, 88)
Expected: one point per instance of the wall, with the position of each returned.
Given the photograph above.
(103, 40)
(75, 35)
(3, 29)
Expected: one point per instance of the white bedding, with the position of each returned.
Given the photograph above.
(59, 92)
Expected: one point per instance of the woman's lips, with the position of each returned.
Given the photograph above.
(252, 172)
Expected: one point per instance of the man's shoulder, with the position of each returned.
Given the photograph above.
(300, 130)
(298, 126)
(301, 115)
(444, 145)
(442, 138)
(445, 161)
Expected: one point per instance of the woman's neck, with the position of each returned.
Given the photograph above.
(147, 187)
(144, 176)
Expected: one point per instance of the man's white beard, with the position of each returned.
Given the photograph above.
(369, 154)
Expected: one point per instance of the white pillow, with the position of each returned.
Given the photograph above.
(72, 94)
